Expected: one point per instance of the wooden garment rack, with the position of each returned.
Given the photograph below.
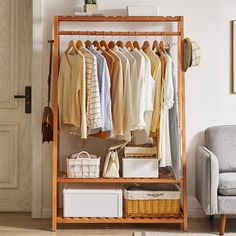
(59, 177)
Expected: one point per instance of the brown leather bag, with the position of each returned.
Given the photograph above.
(47, 124)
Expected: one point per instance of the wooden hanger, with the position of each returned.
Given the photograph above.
(120, 44)
(136, 45)
(71, 45)
(97, 45)
(111, 44)
(88, 43)
(79, 44)
(155, 45)
(129, 44)
(162, 47)
(146, 45)
(103, 43)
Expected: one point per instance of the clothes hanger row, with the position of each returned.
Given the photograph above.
(160, 47)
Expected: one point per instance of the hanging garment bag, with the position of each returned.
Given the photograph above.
(47, 124)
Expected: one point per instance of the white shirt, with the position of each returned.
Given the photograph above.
(138, 91)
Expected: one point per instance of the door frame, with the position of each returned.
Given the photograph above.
(37, 78)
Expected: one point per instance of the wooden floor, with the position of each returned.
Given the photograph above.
(14, 224)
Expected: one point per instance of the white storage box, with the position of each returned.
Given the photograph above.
(140, 167)
(83, 165)
(91, 202)
(143, 10)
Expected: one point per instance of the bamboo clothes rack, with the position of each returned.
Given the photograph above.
(59, 177)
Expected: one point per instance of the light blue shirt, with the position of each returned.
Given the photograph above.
(104, 89)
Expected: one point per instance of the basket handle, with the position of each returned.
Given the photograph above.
(83, 152)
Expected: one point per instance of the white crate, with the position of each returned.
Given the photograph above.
(91, 202)
(140, 167)
(83, 165)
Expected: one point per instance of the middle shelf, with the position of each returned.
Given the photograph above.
(165, 177)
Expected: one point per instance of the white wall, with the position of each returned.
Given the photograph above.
(208, 98)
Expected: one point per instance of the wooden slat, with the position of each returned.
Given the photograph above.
(112, 220)
(183, 116)
(55, 126)
(116, 33)
(120, 18)
(163, 179)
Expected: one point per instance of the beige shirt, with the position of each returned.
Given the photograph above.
(117, 95)
(156, 73)
(72, 92)
(127, 118)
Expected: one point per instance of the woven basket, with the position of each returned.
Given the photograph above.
(152, 207)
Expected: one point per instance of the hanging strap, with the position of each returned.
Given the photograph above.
(50, 71)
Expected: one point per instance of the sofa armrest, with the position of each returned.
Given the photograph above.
(207, 180)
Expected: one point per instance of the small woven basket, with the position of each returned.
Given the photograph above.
(152, 206)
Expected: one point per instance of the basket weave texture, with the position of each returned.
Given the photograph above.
(152, 208)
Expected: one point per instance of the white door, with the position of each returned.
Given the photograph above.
(15, 125)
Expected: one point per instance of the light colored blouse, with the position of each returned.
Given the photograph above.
(72, 92)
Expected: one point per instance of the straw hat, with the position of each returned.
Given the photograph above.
(192, 54)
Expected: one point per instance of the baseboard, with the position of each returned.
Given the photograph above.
(192, 213)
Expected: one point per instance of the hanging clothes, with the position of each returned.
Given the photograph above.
(104, 90)
(138, 91)
(94, 120)
(117, 96)
(72, 92)
(167, 103)
(174, 129)
(156, 73)
(127, 113)
(142, 136)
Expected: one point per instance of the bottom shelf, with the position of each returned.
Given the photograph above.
(127, 220)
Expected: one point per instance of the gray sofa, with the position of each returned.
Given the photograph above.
(216, 173)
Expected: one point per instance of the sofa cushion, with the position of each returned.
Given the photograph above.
(227, 184)
(221, 140)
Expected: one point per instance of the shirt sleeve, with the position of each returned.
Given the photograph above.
(83, 125)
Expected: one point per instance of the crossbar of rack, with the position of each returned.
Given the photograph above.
(170, 19)
(116, 33)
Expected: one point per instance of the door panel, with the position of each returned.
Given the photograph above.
(15, 125)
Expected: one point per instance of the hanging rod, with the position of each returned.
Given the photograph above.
(112, 33)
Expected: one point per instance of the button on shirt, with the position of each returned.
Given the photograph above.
(104, 90)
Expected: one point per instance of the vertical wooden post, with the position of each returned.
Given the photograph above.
(55, 125)
(183, 118)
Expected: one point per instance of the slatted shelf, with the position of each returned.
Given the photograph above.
(165, 177)
(111, 220)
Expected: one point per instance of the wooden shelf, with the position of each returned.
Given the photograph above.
(109, 220)
(120, 18)
(164, 178)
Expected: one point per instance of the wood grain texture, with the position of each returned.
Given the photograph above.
(222, 224)
(18, 199)
(112, 220)
(120, 18)
(164, 178)
(183, 118)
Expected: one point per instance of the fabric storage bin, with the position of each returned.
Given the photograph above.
(83, 165)
(152, 203)
(91, 202)
(140, 162)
